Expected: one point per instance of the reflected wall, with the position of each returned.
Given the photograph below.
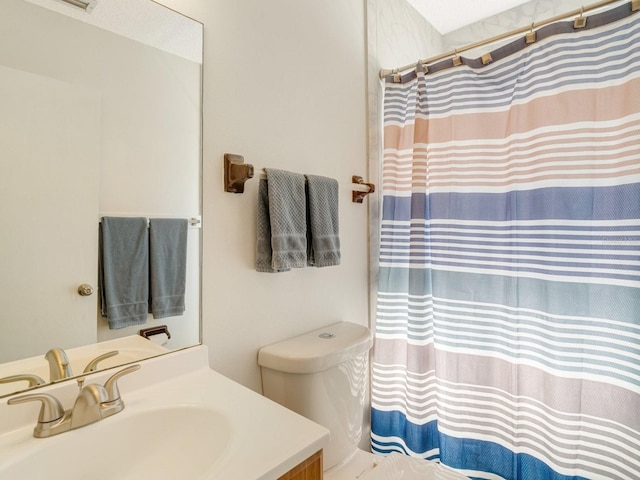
(143, 130)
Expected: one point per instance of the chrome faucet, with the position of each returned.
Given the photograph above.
(94, 403)
(59, 367)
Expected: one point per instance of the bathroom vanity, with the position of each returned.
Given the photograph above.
(181, 420)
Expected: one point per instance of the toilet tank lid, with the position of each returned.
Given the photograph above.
(317, 350)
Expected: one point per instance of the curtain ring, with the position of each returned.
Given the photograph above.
(421, 67)
(531, 37)
(580, 21)
(457, 61)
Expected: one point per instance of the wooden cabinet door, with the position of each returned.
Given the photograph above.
(310, 469)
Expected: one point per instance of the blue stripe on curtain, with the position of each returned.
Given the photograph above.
(485, 456)
(620, 202)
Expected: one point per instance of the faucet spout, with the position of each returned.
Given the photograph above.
(59, 367)
(88, 406)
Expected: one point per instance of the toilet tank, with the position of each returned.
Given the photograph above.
(323, 376)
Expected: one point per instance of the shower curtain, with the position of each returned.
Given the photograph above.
(507, 339)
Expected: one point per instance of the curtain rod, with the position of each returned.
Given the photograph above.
(635, 5)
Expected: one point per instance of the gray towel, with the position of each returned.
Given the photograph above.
(323, 230)
(124, 271)
(167, 266)
(263, 241)
(282, 222)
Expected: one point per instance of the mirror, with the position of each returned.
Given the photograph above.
(100, 115)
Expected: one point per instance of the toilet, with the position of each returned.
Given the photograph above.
(323, 376)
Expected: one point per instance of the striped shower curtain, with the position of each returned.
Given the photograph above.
(507, 340)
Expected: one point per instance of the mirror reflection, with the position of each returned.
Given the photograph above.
(100, 116)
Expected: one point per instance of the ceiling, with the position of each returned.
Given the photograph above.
(146, 22)
(449, 15)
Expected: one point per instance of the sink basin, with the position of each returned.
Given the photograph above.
(164, 443)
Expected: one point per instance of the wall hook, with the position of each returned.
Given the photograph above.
(358, 196)
(236, 172)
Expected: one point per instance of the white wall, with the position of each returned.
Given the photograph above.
(284, 86)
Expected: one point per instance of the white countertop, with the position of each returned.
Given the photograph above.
(264, 440)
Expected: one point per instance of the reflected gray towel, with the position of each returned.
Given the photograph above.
(124, 271)
(282, 222)
(323, 231)
(167, 266)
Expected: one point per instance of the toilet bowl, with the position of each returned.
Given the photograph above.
(323, 376)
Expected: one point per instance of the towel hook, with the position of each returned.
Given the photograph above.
(358, 196)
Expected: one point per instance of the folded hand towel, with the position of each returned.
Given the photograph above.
(322, 198)
(167, 266)
(263, 241)
(124, 271)
(286, 213)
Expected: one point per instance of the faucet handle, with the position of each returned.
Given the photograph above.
(111, 385)
(92, 366)
(51, 409)
(33, 380)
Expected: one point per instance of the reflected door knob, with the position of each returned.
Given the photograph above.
(85, 290)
